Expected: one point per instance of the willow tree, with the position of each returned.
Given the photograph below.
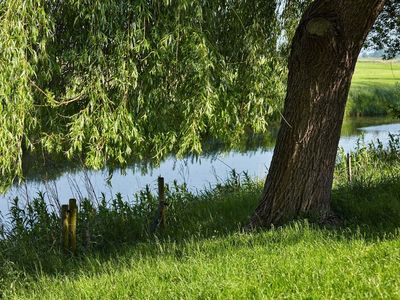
(106, 80)
(323, 56)
(109, 80)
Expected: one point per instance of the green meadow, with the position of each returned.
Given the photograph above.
(375, 90)
(373, 73)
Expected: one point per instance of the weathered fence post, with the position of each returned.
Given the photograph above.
(162, 203)
(160, 219)
(65, 228)
(72, 218)
(348, 164)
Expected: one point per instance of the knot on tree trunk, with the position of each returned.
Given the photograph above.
(320, 27)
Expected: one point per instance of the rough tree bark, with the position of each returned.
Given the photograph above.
(324, 52)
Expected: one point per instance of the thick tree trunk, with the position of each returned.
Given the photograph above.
(324, 52)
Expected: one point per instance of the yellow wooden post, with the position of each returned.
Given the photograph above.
(72, 219)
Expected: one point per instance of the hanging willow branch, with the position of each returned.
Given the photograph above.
(156, 77)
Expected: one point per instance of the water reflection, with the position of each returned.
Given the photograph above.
(253, 156)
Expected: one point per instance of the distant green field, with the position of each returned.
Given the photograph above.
(376, 73)
(375, 90)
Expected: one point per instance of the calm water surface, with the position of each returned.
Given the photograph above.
(197, 172)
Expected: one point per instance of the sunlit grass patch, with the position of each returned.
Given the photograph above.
(374, 90)
(376, 73)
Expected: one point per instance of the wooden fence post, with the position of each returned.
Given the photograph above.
(160, 220)
(348, 164)
(162, 203)
(72, 218)
(65, 228)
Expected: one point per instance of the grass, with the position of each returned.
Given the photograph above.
(203, 254)
(296, 262)
(374, 90)
(373, 73)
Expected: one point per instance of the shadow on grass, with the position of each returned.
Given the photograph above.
(373, 207)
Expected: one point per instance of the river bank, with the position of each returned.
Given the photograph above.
(203, 253)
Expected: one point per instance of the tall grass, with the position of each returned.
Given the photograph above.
(373, 196)
(372, 101)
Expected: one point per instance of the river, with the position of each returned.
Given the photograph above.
(197, 172)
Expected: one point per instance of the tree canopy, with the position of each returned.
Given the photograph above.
(108, 80)
(386, 32)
